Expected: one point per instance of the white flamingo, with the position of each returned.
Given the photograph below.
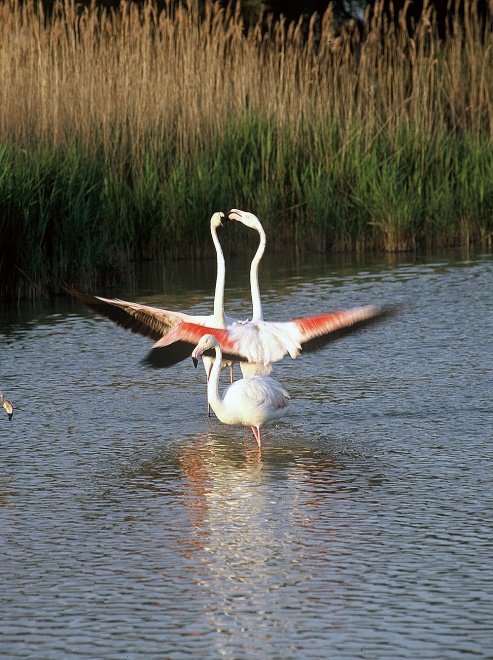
(254, 401)
(154, 322)
(5, 403)
(258, 343)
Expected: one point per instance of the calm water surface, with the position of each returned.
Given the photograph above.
(133, 527)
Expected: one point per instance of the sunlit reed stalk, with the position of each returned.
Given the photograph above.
(130, 128)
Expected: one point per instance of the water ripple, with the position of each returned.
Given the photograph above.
(131, 526)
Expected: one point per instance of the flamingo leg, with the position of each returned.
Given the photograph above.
(231, 373)
(256, 433)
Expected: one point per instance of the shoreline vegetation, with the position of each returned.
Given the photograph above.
(122, 132)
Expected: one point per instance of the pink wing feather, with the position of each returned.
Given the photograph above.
(349, 320)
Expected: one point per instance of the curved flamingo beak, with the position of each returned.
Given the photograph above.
(196, 353)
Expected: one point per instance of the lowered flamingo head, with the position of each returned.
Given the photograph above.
(206, 343)
(216, 220)
(246, 218)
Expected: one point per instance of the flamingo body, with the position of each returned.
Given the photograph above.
(255, 401)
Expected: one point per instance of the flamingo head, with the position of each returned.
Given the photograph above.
(206, 343)
(216, 220)
(246, 218)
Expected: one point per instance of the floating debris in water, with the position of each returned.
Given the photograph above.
(9, 408)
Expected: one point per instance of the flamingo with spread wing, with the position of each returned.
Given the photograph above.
(263, 343)
(257, 344)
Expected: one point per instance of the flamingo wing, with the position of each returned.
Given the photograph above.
(179, 342)
(315, 332)
(268, 391)
(264, 342)
(148, 321)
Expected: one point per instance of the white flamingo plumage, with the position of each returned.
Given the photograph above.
(254, 401)
(154, 322)
(248, 330)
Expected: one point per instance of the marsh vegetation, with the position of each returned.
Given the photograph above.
(121, 132)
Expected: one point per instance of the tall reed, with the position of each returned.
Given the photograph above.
(129, 128)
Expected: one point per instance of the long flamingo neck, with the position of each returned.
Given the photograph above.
(220, 281)
(213, 383)
(254, 283)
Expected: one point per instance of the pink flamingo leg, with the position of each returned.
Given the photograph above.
(256, 433)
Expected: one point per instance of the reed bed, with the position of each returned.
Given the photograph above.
(121, 132)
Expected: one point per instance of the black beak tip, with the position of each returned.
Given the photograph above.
(195, 362)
